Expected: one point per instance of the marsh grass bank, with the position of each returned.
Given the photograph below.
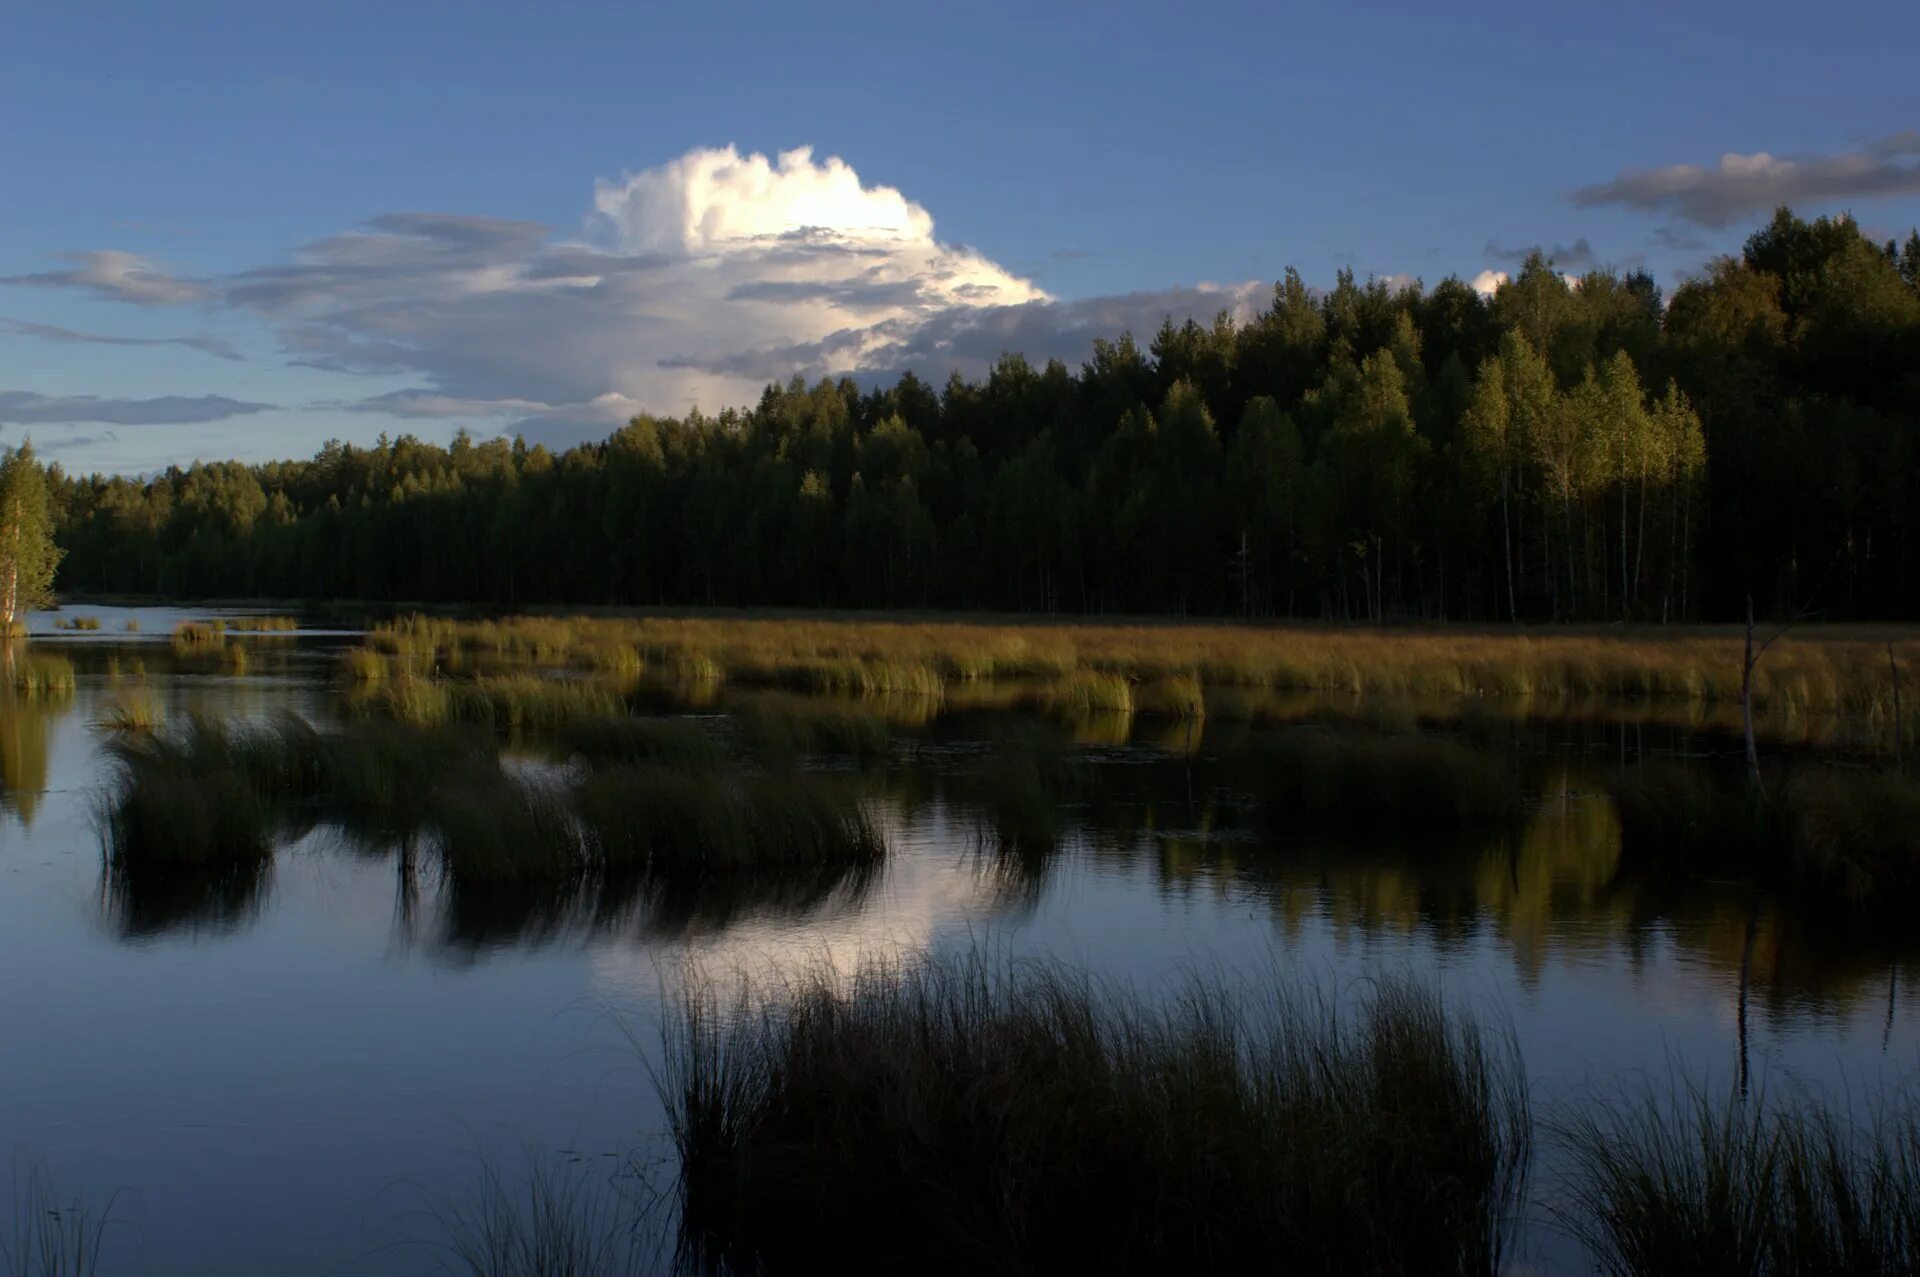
(966, 1115)
(1844, 670)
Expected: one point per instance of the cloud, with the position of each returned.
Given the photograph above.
(1741, 185)
(1577, 256)
(25, 408)
(116, 276)
(67, 336)
(691, 282)
(1679, 239)
(1488, 282)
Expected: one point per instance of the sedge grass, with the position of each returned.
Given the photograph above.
(1810, 671)
(960, 1116)
(1315, 776)
(1687, 1183)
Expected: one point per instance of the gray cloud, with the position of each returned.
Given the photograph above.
(1577, 256)
(116, 276)
(25, 408)
(1679, 239)
(1741, 185)
(70, 337)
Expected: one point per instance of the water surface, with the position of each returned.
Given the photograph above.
(293, 1074)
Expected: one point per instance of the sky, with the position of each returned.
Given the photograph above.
(240, 230)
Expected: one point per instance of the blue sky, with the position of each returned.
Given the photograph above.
(213, 216)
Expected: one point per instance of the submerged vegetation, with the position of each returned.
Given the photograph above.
(961, 1115)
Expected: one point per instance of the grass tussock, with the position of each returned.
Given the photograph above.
(199, 633)
(1845, 834)
(132, 713)
(201, 796)
(658, 742)
(133, 625)
(40, 675)
(651, 818)
(965, 1117)
(263, 624)
(784, 728)
(83, 623)
(1688, 1184)
(1360, 780)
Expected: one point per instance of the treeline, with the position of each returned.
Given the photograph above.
(1557, 451)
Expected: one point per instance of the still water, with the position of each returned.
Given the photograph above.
(301, 1076)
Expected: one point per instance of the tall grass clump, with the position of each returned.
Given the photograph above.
(207, 794)
(1084, 692)
(1855, 833)
(962, 1116)
(41, 675)
(51, 1236)
(1321, 776)
(133, 713)
(495, 829)
(263, 624)
(660, 742)
(86, 622)
(1685, 1183)
(783, 728)
(663, 821)
(1847, 835)
(197, 633)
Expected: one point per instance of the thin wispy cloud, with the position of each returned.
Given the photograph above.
(1577, 256)
(214, 346)
(1739, 186)
(26, 408)
(112, 275)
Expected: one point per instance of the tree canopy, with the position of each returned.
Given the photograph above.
(1556, 451)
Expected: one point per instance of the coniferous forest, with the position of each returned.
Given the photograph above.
(1593, 452)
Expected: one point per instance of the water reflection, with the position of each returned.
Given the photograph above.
(141, 905)
(26, 730)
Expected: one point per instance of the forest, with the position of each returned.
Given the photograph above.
(1569, 450)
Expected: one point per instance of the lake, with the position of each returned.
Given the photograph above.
(305, 1072)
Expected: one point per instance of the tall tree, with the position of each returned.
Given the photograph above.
(28, 555)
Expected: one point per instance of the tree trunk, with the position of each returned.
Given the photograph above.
(1746, 706)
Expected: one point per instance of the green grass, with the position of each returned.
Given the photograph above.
(961, 1115)
(1687, 1184)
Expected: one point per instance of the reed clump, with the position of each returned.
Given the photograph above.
(963, 1115)
(133, 713)
(1315, 776)
(205, 794)
(784, 728)
(1688, 1184)
(1849, 835)
(41, 675)
(263, 624)
(628, 739)
(197, 633)
(661, 820)
(86, 622)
